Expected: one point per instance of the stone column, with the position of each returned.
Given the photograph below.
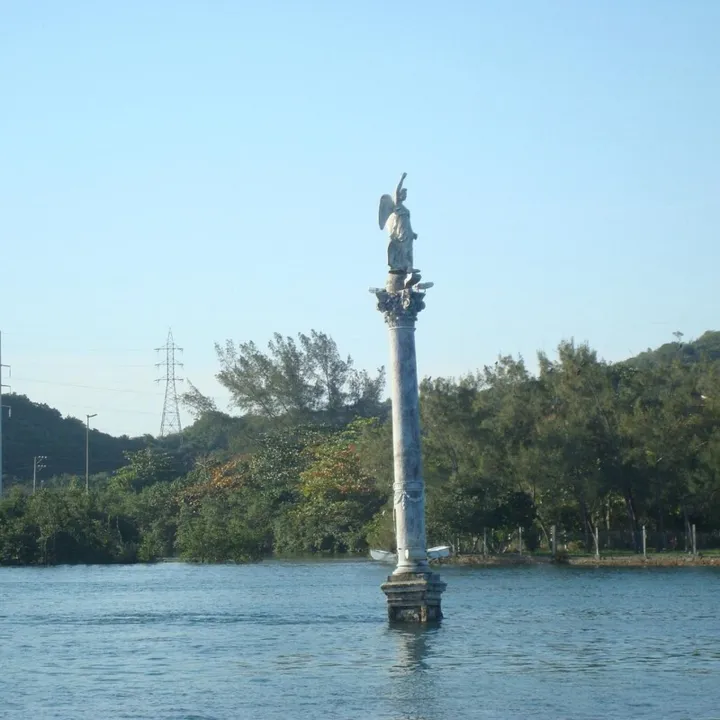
(413, 591)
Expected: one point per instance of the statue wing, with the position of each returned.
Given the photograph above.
(387, 208)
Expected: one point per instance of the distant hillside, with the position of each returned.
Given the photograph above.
(706, 346)
(36, 429)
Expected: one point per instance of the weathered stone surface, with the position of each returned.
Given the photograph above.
(396, 217)
(413, 592)
(414, 597)
(400, 307)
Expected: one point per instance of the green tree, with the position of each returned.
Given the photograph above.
(293, 381)
(145, 467)
(338, 498)
(18, 533)
(218, 532)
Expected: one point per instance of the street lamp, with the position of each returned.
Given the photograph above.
(87, 451)
(2, 385)
(37, 465)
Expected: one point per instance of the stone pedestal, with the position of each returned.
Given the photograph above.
(413, 591)
(414, 597)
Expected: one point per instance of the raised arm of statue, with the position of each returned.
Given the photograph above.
(393, 214)
(399, 190)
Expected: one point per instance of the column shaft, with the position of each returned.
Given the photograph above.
(409, 490)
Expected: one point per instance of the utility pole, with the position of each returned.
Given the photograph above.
(1, 412)
(1, 415)
(87, 451)
(171, 408)
(37, 465)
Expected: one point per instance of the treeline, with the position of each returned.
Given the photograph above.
(303, 489)
(34, 429)
(582, 444)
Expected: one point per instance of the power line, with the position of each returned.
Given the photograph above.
(72, 361)
(171, 407)
(103, 409)
(88, 387)
(49, 347)
(107, 389)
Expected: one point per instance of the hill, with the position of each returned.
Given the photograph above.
(706, 347)
(37, 429)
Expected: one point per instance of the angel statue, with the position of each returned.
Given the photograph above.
(396, 217)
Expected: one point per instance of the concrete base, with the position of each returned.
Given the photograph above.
(414, 597)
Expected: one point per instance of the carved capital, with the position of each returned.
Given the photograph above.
(400, 308)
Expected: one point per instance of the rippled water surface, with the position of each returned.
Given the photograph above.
(310, 640)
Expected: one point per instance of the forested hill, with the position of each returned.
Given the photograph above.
(306, 463)
(35, 429)
(707, 347)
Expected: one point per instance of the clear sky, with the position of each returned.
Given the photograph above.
(216, 167)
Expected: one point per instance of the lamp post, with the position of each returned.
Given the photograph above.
(37, 465)
(2, 385)
(87, 451)
(9, 409)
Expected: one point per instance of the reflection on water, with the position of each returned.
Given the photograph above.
(412, 646)
(310, 640)
(413, 686)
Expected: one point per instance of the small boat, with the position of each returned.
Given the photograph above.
(433, 553)
(383, 556)
(439, 551)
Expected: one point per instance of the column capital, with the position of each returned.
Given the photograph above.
(400, 306)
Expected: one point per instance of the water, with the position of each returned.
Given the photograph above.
(285, 640)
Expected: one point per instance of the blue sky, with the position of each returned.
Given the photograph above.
(216, 167)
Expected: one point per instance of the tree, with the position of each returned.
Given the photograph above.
(36, 429)
(156, 511)
(18, 532)
(144, 468)
(218, 532)
(293, 381)
(338, 498)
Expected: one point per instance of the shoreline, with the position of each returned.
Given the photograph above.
(655, 560)
(489, 561)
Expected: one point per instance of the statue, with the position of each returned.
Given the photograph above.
(396, 217)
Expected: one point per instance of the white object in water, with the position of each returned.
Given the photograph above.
(439, 551)
(433, 553)
(383, 556)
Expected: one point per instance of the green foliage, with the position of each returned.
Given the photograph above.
(338, 498)
(62, 526)
(145, 467)
(294, 381)
(218, 532)
(583, 445)
(156, 512)
(18, 533)
(36, 429)
(380, 531)
(705, 348)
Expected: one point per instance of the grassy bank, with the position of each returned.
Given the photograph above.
(630, 560)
